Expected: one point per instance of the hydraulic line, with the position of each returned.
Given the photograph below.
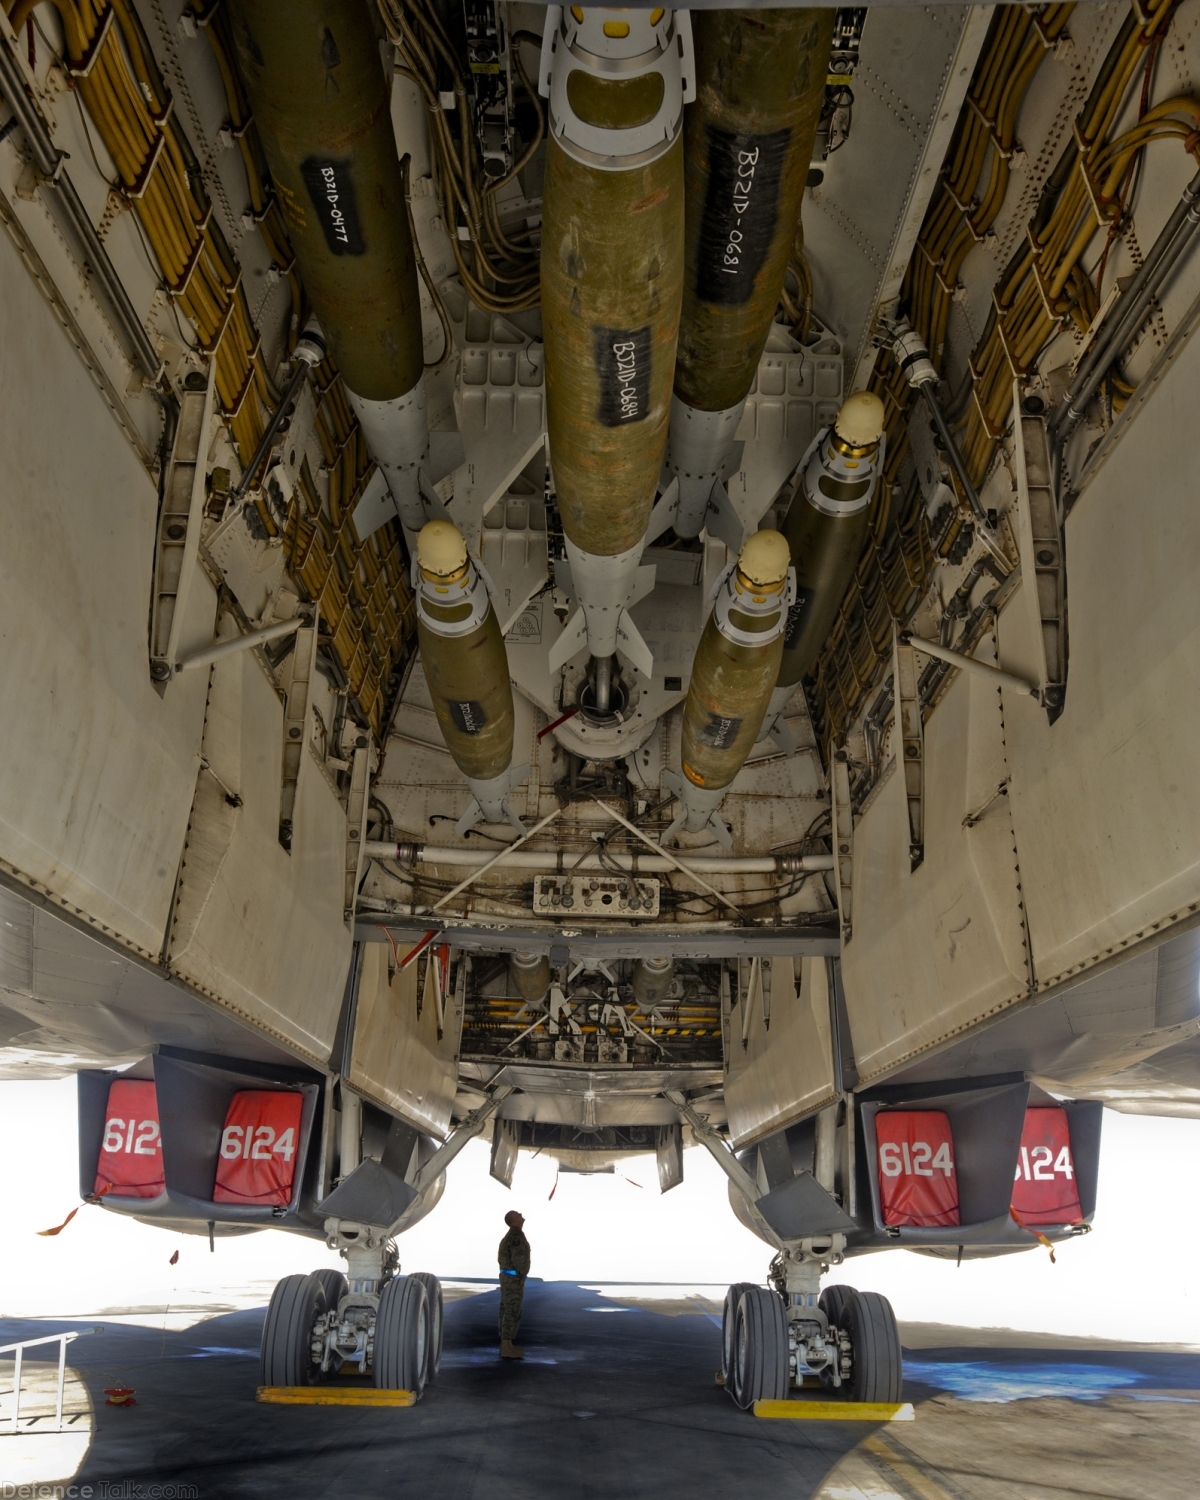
(1130, 310)
(500, 270)
(913, 358)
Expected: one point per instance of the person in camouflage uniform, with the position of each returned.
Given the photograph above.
(513, 1256)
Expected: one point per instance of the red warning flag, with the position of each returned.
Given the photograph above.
(1037, 1233)
(174, 1261)
(259, 1147)
(1044, 1190)
(918, 1181)
(130, 1163)
(58, 1228)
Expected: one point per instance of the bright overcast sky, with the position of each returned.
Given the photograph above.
(1140, 1260)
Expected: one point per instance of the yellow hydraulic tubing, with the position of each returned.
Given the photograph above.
(734, 670)
(466, 670)
(320, 98)
(612, 269)
(748, 140)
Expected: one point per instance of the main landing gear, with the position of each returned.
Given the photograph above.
(772, 1337)
(375, 1321)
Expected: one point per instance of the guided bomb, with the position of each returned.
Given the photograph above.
(652, 980)
(612, 268)
(748, 141)
(530, 974)
(320, 98)
(466, 669)
(825, 527)
(735, 667)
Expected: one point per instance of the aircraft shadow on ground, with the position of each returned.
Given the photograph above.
(611, 1399)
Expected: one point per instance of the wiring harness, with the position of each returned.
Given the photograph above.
(1045, 289)
(360, 587)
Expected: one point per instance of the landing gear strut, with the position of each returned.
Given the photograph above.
(772, 1339)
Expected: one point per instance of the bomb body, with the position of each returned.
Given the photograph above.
(825, 527)
(466, 670)
(652, 980)
(748, 140)
(321, 104)
(530, 974)
(612, 280)
(734, 670)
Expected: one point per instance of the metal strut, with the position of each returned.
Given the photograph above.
(453, 1144)
(718, 1148)
(309, 352)
(910, 742)
(908, 348)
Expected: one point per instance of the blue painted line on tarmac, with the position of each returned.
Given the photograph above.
(983, 1381)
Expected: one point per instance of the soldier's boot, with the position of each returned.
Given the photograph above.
(509, 1350)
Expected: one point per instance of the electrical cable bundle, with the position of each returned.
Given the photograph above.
(111, 64)
(502, 273)
(1044, 289)
(361, 588)
(797, 306)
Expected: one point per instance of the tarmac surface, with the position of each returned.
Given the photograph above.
(615, 1399)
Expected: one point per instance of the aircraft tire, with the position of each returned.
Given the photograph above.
(433, 1346)
(402, 1336)
(761, 1362)
(286, 1353)
(729, 1330)
(833, 1303)
(335, 1284)
(877, 1372)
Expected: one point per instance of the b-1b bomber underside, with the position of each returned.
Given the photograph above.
(612, 581)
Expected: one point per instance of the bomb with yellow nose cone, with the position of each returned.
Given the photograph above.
(734, 670)
(466, 669)
(832, 487)
(612, 269)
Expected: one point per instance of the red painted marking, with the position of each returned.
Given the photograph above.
(1044, 1189)
(130, 1164)
(554, 723)
(416, 952)
(259, 1147)
(918, 1180)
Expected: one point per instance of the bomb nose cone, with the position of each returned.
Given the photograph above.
(765, 559)
(860, 420)
(441, 549)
